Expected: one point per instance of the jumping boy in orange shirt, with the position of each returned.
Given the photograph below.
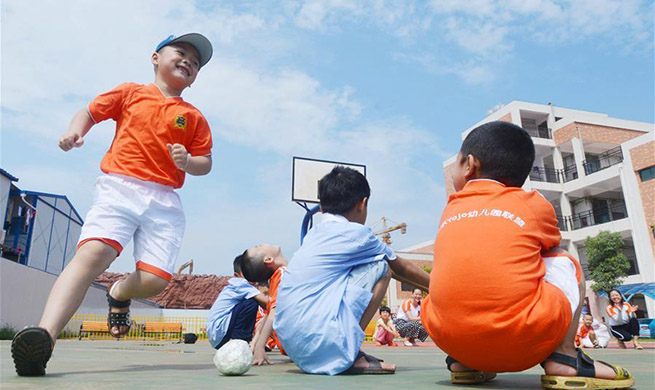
(159, 138)
(498, 270)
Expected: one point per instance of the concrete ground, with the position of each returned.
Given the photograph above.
(162, 365)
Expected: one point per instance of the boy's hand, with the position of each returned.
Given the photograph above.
(260, 358)
(70, 140)
(179, 155)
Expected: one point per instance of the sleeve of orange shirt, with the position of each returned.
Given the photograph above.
(546, 220)
(274, 283)
(201, 144)
(109, 105)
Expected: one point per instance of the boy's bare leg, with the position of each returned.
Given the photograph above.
(378, 294)
(139, 284)
(68, 292)
(567, 347)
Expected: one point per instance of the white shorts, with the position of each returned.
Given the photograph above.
(564, 272)
(125, 207)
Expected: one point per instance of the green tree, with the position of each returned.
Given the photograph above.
(607, 263)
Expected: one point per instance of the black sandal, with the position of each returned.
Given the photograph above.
(586, 374)
(118, 319)
(472, 377)
(31, 349)
(374, 366)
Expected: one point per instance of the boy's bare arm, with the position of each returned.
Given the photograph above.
(408, 272)
(193, 165)
(77, 129)
(199, 165)
(259, 352)
(262, 300)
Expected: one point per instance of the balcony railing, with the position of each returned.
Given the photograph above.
(539, 131)
(562, 223)
(596, 217)
(570, 173)
(550, 175)
(603, 160)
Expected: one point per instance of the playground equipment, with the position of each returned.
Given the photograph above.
(306, 174)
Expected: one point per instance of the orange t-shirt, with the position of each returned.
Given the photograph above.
(583, 331)
(146, 121)
(274, 283)
(489, 306)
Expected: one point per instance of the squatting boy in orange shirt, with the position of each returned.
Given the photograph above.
(503, 296)
(159, 138)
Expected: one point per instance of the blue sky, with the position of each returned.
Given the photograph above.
(388, 84)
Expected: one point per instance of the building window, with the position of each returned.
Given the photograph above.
(647, 174)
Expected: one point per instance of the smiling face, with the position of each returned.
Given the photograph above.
(588, 320)
(177, 65)
(385, 315)
(417, 295)
(615, 297)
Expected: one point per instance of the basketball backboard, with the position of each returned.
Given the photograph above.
(306, 174)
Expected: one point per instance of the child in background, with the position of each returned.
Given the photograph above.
(385, 330)
(159, 139)
(503, 296)
(264, 263)
(586, 336)
(232, 316)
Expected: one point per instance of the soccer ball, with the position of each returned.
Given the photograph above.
(233, 358)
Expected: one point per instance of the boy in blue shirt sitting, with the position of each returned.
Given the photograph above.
(233, 314)
(335, 283)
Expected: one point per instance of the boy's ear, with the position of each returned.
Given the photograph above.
(472, 167)
(362, 204)
(268, 260)
(155, 58)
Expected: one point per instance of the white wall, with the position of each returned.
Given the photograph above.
(24, 292)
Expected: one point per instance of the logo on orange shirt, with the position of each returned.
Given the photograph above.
(180, 122)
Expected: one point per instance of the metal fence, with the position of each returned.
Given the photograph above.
(197, 325)
(604, 160)
(598, 216)
(543, 174)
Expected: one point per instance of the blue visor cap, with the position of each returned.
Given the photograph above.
(202, 45)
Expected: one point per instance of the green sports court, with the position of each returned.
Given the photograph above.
(100, 364)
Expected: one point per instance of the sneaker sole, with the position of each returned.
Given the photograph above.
(31, 349)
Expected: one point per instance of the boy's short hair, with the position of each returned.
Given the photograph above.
(505, 151)
(253, 267)
(341, 189)
(385, 308)
(236, 264)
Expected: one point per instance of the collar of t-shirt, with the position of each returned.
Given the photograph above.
(163, 95)
(489, 180)
(327, 217)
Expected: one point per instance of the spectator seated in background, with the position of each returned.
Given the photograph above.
(408, 320)
(385, 330)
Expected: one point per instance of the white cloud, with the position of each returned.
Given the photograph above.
(262, 109)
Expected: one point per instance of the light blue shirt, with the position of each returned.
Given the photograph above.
(236, 290)
(318, 312)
